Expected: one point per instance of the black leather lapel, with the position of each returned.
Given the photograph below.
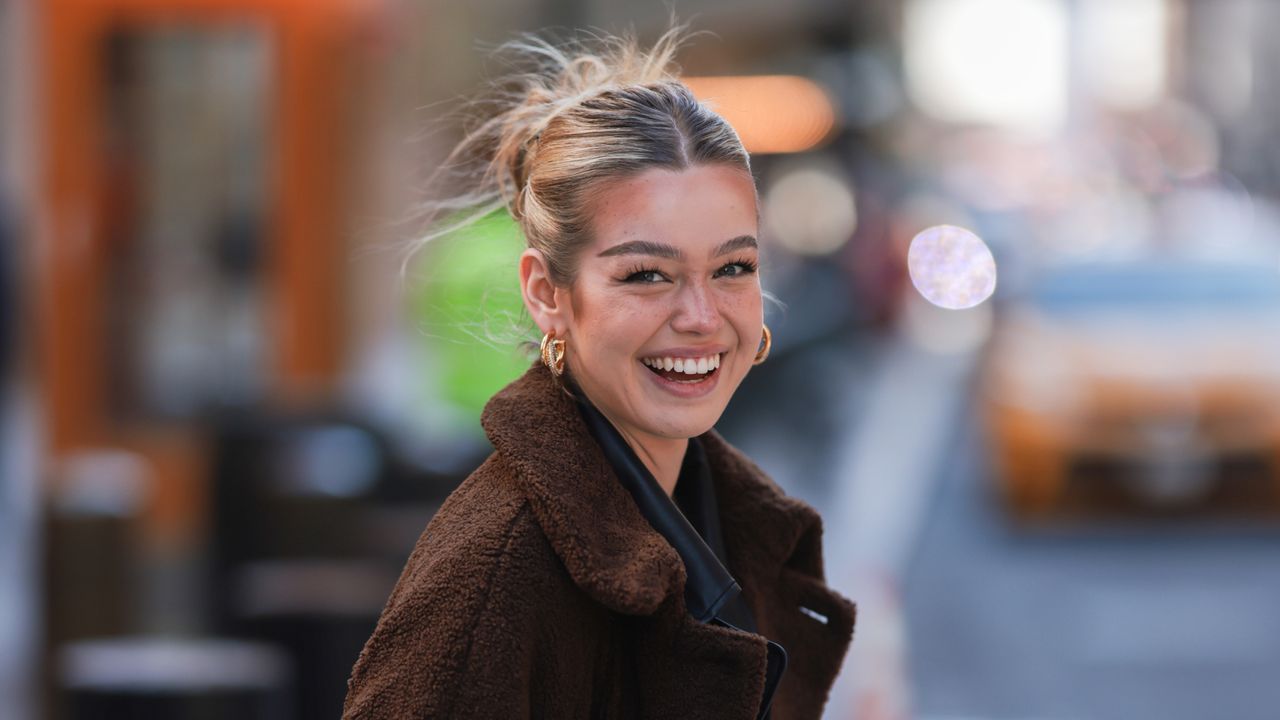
(708, 585)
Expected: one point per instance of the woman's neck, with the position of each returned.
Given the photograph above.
(662, 456)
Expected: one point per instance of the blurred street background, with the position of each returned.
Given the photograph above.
(1026, 360)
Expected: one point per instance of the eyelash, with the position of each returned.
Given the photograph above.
(748, 267)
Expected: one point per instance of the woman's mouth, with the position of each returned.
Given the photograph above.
(685, 371)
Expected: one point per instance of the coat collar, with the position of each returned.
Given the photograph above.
(594, 525)
(708, 585)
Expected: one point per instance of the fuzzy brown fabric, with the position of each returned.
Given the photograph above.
(539, 591)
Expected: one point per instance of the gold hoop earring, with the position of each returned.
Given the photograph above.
(553, 353)
(767, 341)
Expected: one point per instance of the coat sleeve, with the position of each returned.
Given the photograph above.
(458, 636)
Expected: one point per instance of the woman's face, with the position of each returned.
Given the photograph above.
(669, 282)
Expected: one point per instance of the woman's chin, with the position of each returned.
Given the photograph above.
(684, 423)
(676, 416)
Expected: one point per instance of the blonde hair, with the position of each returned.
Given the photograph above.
(589, 110)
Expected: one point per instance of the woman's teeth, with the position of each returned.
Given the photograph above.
(688, 366)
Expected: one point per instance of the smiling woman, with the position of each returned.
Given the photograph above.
(615, 557)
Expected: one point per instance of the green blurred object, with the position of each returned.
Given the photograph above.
(468, 310)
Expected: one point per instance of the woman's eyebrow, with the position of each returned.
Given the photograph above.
(646, 247)
(741, 242)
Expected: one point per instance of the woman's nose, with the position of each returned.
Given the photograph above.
(697, 312)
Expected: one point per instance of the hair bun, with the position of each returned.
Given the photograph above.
(558, 76)
(568, 116)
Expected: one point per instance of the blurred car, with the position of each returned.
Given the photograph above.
(1162, 368)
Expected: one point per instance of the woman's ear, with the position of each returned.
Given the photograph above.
(547, 304)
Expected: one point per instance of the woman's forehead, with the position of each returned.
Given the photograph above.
(693, 212)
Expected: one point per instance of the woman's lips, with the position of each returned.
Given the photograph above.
(683, 385)
(687, 364)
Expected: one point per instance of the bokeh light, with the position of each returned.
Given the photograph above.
(1124, 52)
(771, 113)
(811, 210)
(998, 62)
(951, 267)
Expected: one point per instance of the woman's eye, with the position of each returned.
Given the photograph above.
(645, 276)
(736, 269)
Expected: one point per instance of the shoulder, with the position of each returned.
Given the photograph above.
(463, 621)
(483, 537)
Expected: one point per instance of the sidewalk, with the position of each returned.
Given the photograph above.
(885, 477)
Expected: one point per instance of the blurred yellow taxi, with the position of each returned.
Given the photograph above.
(1162, 368)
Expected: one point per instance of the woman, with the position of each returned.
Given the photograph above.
(615, 557)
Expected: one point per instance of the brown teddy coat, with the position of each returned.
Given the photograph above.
(539, 591)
